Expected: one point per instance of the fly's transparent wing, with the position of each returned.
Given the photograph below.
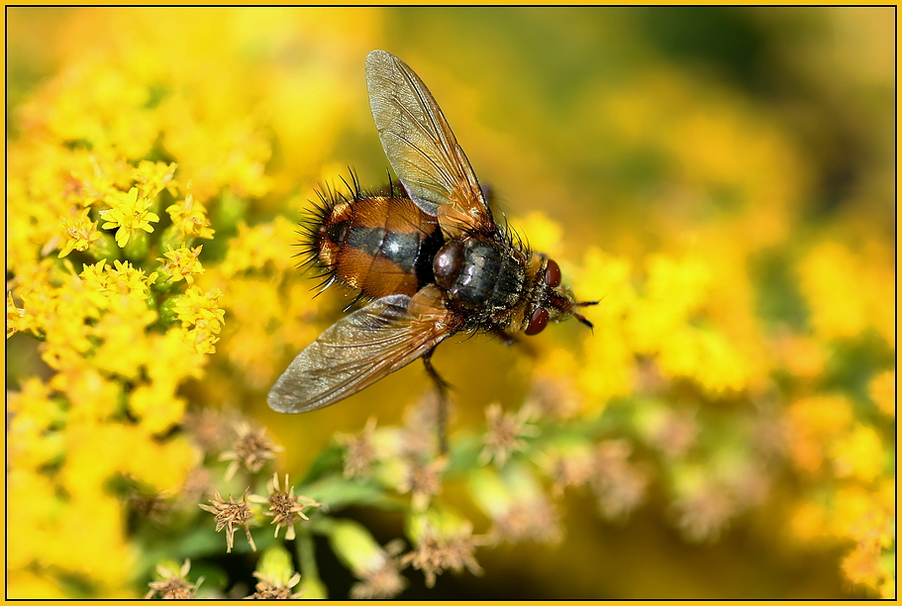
(357, 351)
(419, 143)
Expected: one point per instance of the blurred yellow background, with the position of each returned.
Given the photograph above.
(722, 179)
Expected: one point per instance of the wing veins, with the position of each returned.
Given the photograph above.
(448, 178)
(404, 107)
(445, 142)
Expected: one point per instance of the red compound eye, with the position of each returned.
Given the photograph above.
(537, 322)
(552, 274)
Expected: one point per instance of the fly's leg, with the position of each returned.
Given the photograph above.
(509, 339)
(442, 415)
(504, 337)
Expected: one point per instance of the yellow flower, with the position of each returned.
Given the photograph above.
(858, 454)
(80, 234)
(182, 262)
(821, 415)
(863, 565)
(157, 408)
(809, 521)
(93, 397)
(171, 359)
(125, 279)
(119, 331)
(129, 213)
(845, 294)
(609, 355)
(32, 441)
(98, 177)
(858, 514)
(671, 320)
(104, 555)
(544, 234)
(162, 465)
(190, 218)
(14, 316)
(25, 585)
(609, 368)
(813, 423)
(59, 315)
(92, 103)
(34, 508)
(154, 177)
(803, 356)
(883, 392)
(200, 314)
(260, 247)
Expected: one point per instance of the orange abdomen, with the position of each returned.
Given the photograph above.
(379, 245)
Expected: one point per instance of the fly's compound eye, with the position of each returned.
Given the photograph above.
(537, 321)
(552, 275)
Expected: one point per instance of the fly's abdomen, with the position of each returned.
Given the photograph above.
(379, 245)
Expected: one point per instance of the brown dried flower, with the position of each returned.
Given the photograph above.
(252, 449)
(284, 507)
(421, 422)
(210, 428)
(555, 398)
(674, 432)
(230, 515)
(504, 434)
(570, 469)
(423, 481)
(360, 452)
(156, 507)
(705, 511)
(385, 580)
(533, 520)
(174, 584)
(198, 484)
(434, 554)
(269, 588)
(619, 485)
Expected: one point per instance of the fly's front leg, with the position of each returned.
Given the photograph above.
(508, 339)
(504, 337)
(442, 416)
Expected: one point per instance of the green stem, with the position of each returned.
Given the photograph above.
(307, 553)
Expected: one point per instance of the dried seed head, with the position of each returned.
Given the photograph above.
(384, 581)
(360, 453)
(284, 508)
(434, 554)
(230, 515)
(174, 584)
(268, 588)
(504, 434)
(423, 481)
(619, 484)
(252, 450)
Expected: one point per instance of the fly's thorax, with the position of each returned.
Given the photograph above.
(380, 245)
(481, 277)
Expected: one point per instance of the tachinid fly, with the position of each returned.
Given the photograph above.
(427, 254)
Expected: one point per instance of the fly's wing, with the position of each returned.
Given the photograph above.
(358, 350)
(420, 146)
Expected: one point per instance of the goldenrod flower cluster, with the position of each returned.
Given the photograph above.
(741, 362)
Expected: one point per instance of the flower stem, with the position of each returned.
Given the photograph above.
(307, 553)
